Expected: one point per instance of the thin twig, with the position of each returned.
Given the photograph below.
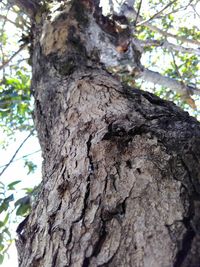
(138, 12)
(176, 67)
(29, 7)
(195, 11)
(167, 45)
(27, 155)
(6, 19)
(11, 58)
(133, 14)
(157, 14)
(179, 9)
(14, 155)
(167, 34)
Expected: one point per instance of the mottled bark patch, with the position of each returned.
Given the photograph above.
(117, 189)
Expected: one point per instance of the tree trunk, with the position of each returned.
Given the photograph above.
(121, 176)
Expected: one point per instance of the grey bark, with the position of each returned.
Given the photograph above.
(121, 184)
(165, 44)
(167, 82)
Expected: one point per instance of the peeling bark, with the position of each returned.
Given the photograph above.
(121, 184)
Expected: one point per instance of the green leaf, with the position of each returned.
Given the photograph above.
(30, 165)
(22, 201)
(23, 210)
(1, 258)
(9, 198)
(6, 219)
(11, 186)
(5, 203)
(4, 206)
(3, 223)
(1, 238)
(24, 204)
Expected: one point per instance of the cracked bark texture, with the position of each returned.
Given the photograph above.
(121, 169)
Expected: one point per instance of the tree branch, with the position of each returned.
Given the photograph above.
(156, 14)
(132, 14)
(11, 58)
(14, 155)
(173, 84)
(167, 34)
(179, 9)
(27, 155)
(181, 49)
(167, 45)
(138, 12)
(30, 7)
(195, 11)
(177, 68)
(6, 19)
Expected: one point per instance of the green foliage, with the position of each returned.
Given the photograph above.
(23, 205)
(6, 200)
(144, 33)
(30, 165)
(165, 93)
(15, 115)
(193, 32)
(167, 22)
(179, 19)
(12, 185)
(10, 205)
(3, 38)
(15, 108)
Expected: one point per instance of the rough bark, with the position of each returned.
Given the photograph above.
(121, 184)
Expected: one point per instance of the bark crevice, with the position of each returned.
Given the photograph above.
(116, 160)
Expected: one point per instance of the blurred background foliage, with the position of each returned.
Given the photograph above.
(159, 23)
(170, 33)
(16, 106)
